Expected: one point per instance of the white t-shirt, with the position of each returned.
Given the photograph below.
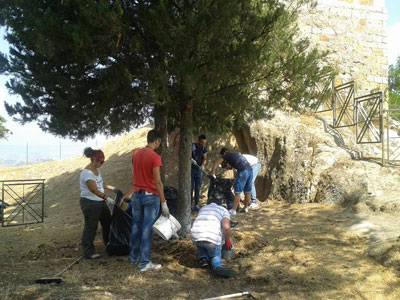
(86, 175)
(207, 226)
(252, 160)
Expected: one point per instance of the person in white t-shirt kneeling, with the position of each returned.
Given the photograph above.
(211, 224)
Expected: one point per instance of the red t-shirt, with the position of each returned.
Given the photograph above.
(144, 161)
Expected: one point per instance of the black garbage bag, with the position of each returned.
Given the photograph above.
(220, 192)
(3, 205)
(171, 195)
(122, 222)
(120, 230)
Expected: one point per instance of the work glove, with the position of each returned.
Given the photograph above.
(228, 244)
(202, 168)
(212, 176)
(115, 190)
(110, 201)
(164, 209)
(194, 162)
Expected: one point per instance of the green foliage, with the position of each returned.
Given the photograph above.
(86, 66)
(394, 86)
(394, 100)
(67, 67)
(3, 130)
(394, 77)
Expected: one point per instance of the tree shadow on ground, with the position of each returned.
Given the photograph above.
(283, 252)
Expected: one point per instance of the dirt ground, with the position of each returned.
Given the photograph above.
(283, 251)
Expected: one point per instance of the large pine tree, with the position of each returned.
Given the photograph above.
(86, 66)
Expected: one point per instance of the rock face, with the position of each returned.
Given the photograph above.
(305, 160)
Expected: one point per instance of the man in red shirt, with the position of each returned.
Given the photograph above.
(148, 193)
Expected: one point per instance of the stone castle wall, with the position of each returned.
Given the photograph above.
(354, 31)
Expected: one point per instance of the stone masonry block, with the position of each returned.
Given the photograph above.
(367, 2)
(324, 38)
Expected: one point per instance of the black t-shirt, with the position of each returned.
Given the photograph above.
(237, 161)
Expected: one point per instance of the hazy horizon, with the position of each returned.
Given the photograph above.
(16, 155)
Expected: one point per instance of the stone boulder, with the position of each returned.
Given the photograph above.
(305, 160)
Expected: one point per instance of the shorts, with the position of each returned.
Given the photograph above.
(243, 182)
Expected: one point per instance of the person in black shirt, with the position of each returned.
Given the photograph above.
(199, 159)
(244, 176)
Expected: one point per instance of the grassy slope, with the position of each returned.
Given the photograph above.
(283, 251)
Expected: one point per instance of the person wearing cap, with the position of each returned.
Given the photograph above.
(148, 194)
(199, 159)
(93, 202)
(210, 226)
(244, 176)
(255, 167)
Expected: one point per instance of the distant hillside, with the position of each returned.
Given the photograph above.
(62, 176)
(18, 155)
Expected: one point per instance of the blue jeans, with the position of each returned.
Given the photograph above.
(211, 252)
(243, 181)
(144, 214)
(256, 169)
(196, 185)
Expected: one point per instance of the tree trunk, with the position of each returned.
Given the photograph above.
(184, 180)
(246, 143)
(160, 123)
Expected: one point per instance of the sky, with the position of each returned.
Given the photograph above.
(393, 29)
(32, 135)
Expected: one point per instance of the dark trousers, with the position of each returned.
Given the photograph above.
(93, 212)
(196, 184)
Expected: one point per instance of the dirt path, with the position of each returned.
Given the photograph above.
(283, 252)
(377, 227)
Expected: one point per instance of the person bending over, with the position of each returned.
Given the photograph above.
(243, 178)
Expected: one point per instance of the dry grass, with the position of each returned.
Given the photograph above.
(283, 251)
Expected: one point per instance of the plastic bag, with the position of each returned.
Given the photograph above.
(171, 195)
(220, 192)
(121, 223)
(120, 230)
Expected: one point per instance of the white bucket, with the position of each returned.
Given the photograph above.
(166, 227)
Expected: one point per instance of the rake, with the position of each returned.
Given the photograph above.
(230, 296)
(56, 278)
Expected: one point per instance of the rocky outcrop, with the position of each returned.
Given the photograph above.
(305, 160)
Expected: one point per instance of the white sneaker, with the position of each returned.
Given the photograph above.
(94, 256)
(253, 205)
(150, 266)
(232, 212)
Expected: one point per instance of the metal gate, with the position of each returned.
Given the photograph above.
(343, 105)
(391, 144)
(22, 202)
(325, 85)
(369, 123)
